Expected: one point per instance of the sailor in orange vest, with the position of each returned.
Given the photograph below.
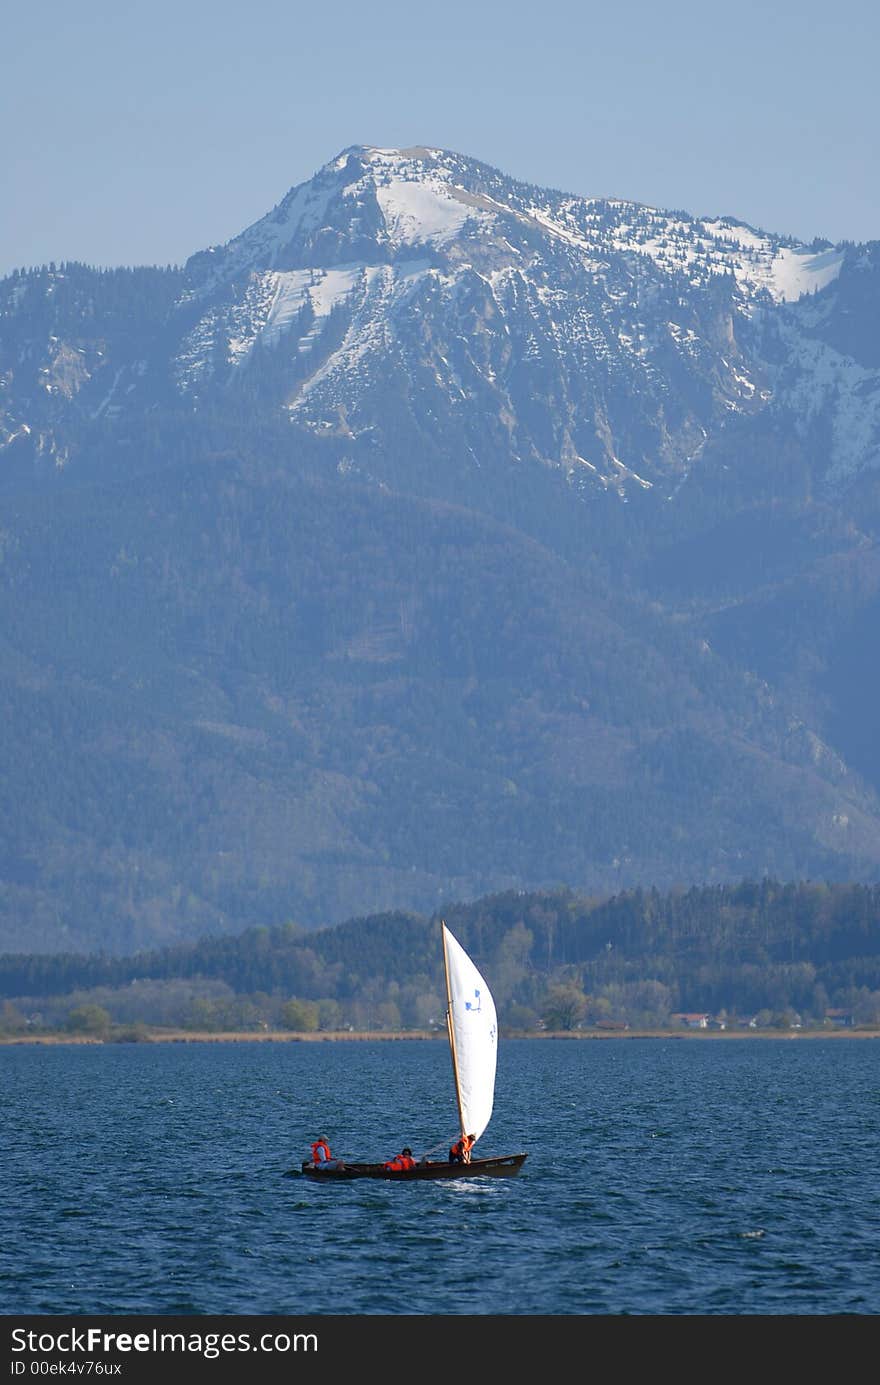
(403, 1160)
(460, 1153)
(321, 1156)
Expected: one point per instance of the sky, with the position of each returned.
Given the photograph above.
(142, 134)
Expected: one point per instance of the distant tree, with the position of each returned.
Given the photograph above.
(388, 1015)
(329, 1014)
(520, 1017)
(88, 1019)
(12, 1021)
(564, 1006)
(598, 1008)
(867, 1007)
(787, 1018)
(301, 1016)
(512, 962)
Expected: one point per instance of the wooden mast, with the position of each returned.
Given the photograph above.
(451, 1032)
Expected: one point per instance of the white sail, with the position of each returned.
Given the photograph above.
(473, 1034)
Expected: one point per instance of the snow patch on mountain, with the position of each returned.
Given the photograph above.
(760, 263)
(824, 388)
(304, 208)
(798, 272)
(318, 290)
(383, 293)
(276, 304)
(417, 214)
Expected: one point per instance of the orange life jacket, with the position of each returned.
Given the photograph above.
(461, 1150)
(320, 1151)
(401, 1161)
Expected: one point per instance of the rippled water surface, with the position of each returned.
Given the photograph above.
(663, 1177)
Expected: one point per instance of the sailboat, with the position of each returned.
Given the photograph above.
(472, 1028)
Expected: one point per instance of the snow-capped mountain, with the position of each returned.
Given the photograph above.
(601, 337)
(437, 535)
(419, 301)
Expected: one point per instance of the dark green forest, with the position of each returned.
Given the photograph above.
(757, 953)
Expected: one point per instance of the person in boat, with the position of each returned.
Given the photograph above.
(460, 1152)
(321, 1156)
(403, 1160)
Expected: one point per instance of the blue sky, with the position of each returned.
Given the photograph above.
(140, 134)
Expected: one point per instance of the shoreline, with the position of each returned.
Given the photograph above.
(181, 1036)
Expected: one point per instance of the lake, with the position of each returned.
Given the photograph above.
(664, 1177)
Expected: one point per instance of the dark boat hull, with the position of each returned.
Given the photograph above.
(505, 1166)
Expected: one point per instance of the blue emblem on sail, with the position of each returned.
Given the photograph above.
(475, 1004)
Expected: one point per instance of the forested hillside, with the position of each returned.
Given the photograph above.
(780, 954)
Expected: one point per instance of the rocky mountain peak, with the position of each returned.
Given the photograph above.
(418, 303)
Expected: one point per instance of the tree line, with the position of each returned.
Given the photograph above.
(758, 952)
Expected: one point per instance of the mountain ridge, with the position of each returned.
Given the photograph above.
(438, 534)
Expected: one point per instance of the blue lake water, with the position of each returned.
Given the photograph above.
(664, 1177)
